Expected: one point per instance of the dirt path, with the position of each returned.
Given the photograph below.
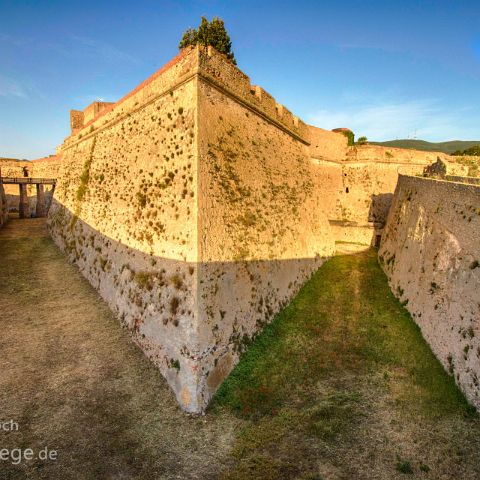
(74, 382)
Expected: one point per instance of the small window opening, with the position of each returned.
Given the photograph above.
(346, 190)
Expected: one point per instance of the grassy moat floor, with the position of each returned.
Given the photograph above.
(340, 386)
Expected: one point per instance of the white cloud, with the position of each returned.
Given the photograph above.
(423, 119)
(11, 88)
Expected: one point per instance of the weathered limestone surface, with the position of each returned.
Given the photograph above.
(431, 254)
(461, 179)
(125, 210)
(197, 206)
(176, 205)
(262, 228)
(359, 186)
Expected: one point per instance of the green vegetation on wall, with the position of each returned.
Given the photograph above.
(84, 179)
(209, 33)
(351, 137)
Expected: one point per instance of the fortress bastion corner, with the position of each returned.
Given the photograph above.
(198, 205)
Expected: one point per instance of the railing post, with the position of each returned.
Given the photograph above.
(41, 210)
(23, 207)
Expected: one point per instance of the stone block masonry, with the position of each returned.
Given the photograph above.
(431, 255)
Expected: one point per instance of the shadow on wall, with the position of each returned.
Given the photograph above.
(378, 214)
(357, 226)
(379, 208)
(191, 319)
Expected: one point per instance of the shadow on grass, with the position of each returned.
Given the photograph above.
(342, 356)
(345, 320)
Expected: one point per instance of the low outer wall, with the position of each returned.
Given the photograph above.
(431, 255)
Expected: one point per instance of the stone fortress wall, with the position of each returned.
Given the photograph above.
(136, 209)
(431, 254)
(360, 182)
(462, 179)
(198, 206)
(125, 211)
(263, 229)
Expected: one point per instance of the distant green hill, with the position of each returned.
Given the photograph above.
(446, 147)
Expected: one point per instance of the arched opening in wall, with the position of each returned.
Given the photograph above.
(378, 239)
(346, 190)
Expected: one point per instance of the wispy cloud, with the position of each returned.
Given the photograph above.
(423, 119)
(16, 41)
(11, 88)
(104, 50)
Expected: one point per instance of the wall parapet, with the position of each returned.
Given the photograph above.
(460, 179)
(164, 81)
(205, 63)
(436, 185)
(215, 68)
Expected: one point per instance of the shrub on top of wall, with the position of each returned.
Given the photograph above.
(351, 137)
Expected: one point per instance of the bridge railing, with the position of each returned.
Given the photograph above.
(27, 180)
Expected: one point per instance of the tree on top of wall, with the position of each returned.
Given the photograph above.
(209, 33)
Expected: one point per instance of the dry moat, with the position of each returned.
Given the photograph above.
(340, 384)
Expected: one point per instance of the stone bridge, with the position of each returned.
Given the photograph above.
(23, 182)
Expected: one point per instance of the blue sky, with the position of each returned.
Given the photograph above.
(389, 69)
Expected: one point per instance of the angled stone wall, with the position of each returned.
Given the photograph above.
(190, 206)
(125, 211)
(198, 205)
(262, 229)
(359, 186)
(431, 255)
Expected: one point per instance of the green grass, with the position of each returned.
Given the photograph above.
(325, 330)
(342, 355)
